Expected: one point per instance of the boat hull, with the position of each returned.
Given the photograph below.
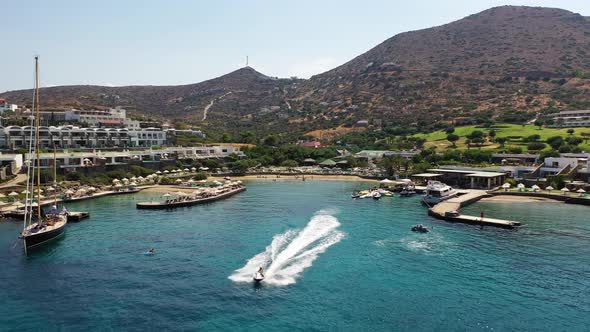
(40, 238)
(161, 205)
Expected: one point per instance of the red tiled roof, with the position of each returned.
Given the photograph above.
(311, 144)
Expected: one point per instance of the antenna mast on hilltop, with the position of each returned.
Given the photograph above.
(246, 61)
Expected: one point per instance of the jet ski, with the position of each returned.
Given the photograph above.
(258, 277)
(420, 229)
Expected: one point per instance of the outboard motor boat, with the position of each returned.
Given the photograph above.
(420, 229)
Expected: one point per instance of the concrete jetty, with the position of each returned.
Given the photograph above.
(449, 211)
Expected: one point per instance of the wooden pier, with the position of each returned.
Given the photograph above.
(449, 211)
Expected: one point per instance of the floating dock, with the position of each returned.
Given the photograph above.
(184, 203)
(449, 211)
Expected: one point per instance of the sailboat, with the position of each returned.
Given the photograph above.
(39, 228)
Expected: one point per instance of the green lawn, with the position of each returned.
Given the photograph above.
(438, 138)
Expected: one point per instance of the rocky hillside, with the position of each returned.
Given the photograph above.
(501, 63)
(505, 63)
(239, 95)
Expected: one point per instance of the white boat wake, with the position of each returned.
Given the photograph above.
(290, 253)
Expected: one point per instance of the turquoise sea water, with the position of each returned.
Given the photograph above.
(332, 264)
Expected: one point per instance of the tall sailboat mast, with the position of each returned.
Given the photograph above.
(38, 121)
(50, 227)
(54, 175)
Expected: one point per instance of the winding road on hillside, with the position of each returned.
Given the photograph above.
(211, 104)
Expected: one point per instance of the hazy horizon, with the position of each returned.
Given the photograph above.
(180, 42)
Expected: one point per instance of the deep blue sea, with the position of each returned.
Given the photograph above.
(332, 263)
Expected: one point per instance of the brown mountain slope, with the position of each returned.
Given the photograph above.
(238, 93)
(500, 63)
(500, 40)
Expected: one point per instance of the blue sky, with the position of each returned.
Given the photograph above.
(131, 42)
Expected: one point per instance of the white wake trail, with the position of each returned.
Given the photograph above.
(290, 253)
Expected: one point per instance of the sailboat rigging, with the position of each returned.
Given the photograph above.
(38, 228)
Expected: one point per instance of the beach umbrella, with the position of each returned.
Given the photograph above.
(204, 168)
(69, 192)
(194, 169)
(25, 192)
(116, 180)
(565, 190)
(13, 194)
(180, 193)
(118, 185)
(166, 195)
(2, 195)
(178, 181)
(581, 191)
(166, 172)
(18, 204)
(158, 172)
(186, 169)
(133, 184)
(178, 170)
(239, 182)
(506, 185)
(535, 187)
(50, 188)
(386, 181)
(549, 188)
(520, 186)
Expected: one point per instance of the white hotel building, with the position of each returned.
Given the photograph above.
(572, 119)
(96, 118)
(71, 137)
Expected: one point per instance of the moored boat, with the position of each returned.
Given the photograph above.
(408, 190)
(190, 200)
(38, 228)
(437, 192)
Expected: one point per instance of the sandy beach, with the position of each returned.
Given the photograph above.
(308, 177)
(518, 199)
(168, 189)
